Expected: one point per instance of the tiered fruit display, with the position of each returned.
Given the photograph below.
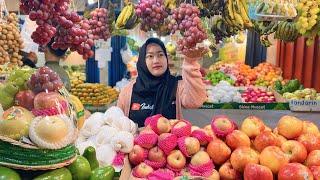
(246, 76)
(217, 76)
(268, 74)
(254, 95)
(152, 14)
(128, 18)
(54, 20)
(95, 94)
(221, 151)
(304, 94)
(287, 31)
(99, 25)
(10, 41)
(186, 19)
(308, 20)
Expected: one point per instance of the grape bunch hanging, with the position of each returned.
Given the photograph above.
(99, 24)
(68, 28)
(152, 14)
(186, 19)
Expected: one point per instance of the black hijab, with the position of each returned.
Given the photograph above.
(162, 90)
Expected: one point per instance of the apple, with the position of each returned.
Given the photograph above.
(267, 128)
(310, 141)
(252, 126)
(188, 145)
(194, 128)
(142, 170)
(222, 125)
(273, 157)
(163, 125)
(309, 127)
(237, 139)
(203, 137)
(45, 100)
(218, 151)
(200, 158)
(156, 155)
(25, 99)
(147, 138)
(209, 131)
(290, 127)
(173, 122)
(137, 155)
(281, 139)
(214, 175)
(242, 156)
(315, 172)
(255, 171)
(182, 128)
(294, 171)
(313, 158)
(167, 142)
(226, 171)
(176, 159)
(265, 139)
(295, 150)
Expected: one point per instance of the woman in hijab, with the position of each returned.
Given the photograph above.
(156, 91)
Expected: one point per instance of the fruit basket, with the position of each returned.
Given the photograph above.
(38, 125)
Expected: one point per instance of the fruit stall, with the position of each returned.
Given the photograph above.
(260, 119)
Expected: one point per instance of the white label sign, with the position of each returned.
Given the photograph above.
(304, 105)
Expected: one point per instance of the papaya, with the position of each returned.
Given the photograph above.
(58, 174)
(80, 169)
(90, 155)
(103, 173)
(8, 174)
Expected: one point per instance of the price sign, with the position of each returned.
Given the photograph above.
(305, 105)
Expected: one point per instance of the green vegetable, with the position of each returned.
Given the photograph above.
(293, 85)
(58, 174)
(80, 169)
(90, 155)
(8, 174)
(278, 86)
(103, 173)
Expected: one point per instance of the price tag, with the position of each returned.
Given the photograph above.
(305, 105)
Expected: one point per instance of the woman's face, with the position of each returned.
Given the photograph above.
(156, 60)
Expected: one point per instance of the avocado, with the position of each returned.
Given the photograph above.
(58, 174)
(90, 155)
(103, 173)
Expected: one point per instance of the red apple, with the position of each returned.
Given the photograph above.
(243, 156)
(237, 139)
(156, 154)
(25, 99)
(256, 171)
(163, 125)
(265, 139)
(290, 127)
(294, 171)
(222, 125)
(309, 127)
(45, 100)
(252, 126)
(142, 170)
(182, 128)
(281, 139)
(194, 128)
(295, 150)
(200, 158)
(191, 144)
(273, 157)
(227, 172)
(218, 151)
(209, 131)
(313, 158)
(137, 155)
(315, 172)
(176, 159)
(310, 141)
(173, 122)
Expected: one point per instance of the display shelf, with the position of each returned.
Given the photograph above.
(247, 106)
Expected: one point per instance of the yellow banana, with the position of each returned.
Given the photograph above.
(124, 15)
(244, 14)
(237, 17)
(230, 9)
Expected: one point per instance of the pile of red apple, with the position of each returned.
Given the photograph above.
(254, 95)
(166, 149)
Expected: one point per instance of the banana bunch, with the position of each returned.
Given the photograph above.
(264, 39)
(265, 27)
(210, 8)
(127, 18)
(170, 4)
(287, 31)
(221, 29)
(236, 14)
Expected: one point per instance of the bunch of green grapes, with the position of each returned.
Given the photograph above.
(308, 17)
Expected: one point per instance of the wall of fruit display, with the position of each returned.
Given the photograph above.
(225, 150)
